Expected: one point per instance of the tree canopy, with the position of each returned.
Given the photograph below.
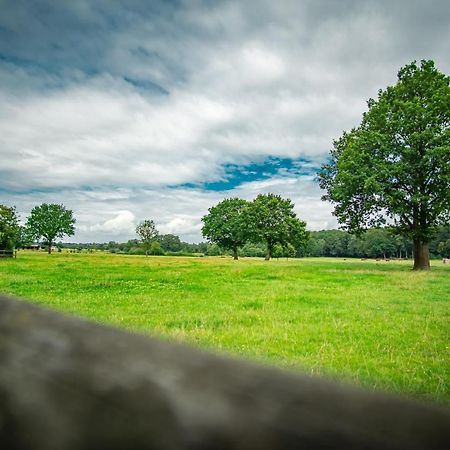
(147, 233)
(395, 166)
(9, 227)
(226, 224)
(272, 220)
(269, 219)
(50, 221)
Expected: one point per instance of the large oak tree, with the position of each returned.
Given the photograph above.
(395, 166)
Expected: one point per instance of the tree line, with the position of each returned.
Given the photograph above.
(46, 223)
(163, 245)
(374, 243)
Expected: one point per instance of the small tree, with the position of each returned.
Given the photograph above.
(226, 224)
(147, 233)
(9, 228)
(396, 164)
(271, 219)
(50, 221)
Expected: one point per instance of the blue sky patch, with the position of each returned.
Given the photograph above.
(235, 175)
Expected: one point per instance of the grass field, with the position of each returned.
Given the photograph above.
(375, 323)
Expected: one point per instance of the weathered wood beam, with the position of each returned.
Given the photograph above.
(71, 384)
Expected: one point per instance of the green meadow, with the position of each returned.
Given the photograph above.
(375, 323)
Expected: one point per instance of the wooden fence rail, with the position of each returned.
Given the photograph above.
(7, 253)
(70, 384)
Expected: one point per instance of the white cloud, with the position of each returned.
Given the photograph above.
(122, 223)
(182, 226)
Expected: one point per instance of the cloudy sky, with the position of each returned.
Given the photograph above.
(137, 109)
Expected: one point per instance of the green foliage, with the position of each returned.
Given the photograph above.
(373, 323)
(147, 233)
(441, 244)
(253, 249)
(236, 224)
(213, 250)
(50, 221)
(375, 243)
(321, 243)
(277, 251)
(226, 224)
(396, 165)
(289, 251)
(10, 230)
(271, 219)
(156, 249)
(170, 243)
(133, 246)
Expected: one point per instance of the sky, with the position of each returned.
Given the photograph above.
(135, 109)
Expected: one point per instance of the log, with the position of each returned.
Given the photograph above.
(71, 384)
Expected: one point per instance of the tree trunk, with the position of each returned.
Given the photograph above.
(235, 253)
(49, 247)
(269, 253)
(421, 255)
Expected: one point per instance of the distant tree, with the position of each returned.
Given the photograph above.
(438, 243)
(202, 247)
(10, 230)
(271, 219)
(316, 245)
(378, 243)
(156, 249)
(226, 225)
(213, 250)
(50, 221)
(396, 164)
(444, 248)
(289, 251)
(352, 246)
(147, 233)
(253, 249)
(401, 246)
(170, 242)
(336, 243)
